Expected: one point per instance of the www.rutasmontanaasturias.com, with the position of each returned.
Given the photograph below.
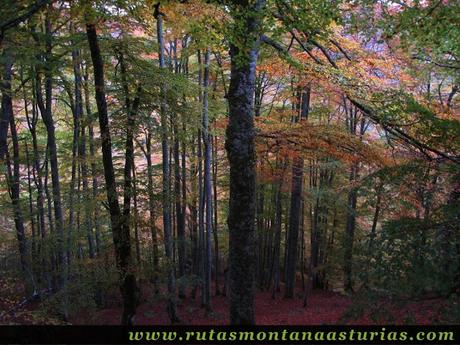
(288, 335)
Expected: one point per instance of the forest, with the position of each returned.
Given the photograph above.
(229, 162)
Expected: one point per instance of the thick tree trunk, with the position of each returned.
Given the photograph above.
(241, 156)
(119, 223)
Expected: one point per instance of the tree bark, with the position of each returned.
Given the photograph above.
(207, 183)
(119, 223)
(47, 116)
(153, 228)
(241, 155)
(14, 177)
(296, 201)
(5, 115)
(167, 228)
(92, 153)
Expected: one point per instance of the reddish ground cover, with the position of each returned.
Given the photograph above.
(323, 308)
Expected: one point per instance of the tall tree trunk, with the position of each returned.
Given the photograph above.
(352, 124)
(38, 178)
(119, 223)
(201, 198)
(178, 183)
(241, 155)
(77, 110)
(34, 252)
(296, 201)
(136, 215)
(76, 61)
(294, 222)
(180, 225)
(277, 240)
(153, 228)
(216, 239)
(350, 232)
(14, 177)
(259, 231)
(131, 110)
(194, 217)
(372, 235)
(6, 64)
(92, 153)
(47, 116)
(207, 182)
(167, 229)
(184, 195)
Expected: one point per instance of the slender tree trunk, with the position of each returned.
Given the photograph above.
(194, 218)
(136, 215)
(49, 199)
(352, 123)
(178, 202)
(296, 201)
(5, 115)
(178, 209)
(119, 223)
(277, 239)
(14, 178)
(80, 124)
(184, 196)
(38, 178)
(77, 110)
(216, 239)
(47, 116)
(201, 202)
(207, 183)
(153, 228)
(34, 252)
(372, 235)
(375, 219)
(131, 111)
(92, 153)
(349, 232)
(168, 236)
(259, 231)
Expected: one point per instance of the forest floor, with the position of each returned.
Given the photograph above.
(323, 308)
